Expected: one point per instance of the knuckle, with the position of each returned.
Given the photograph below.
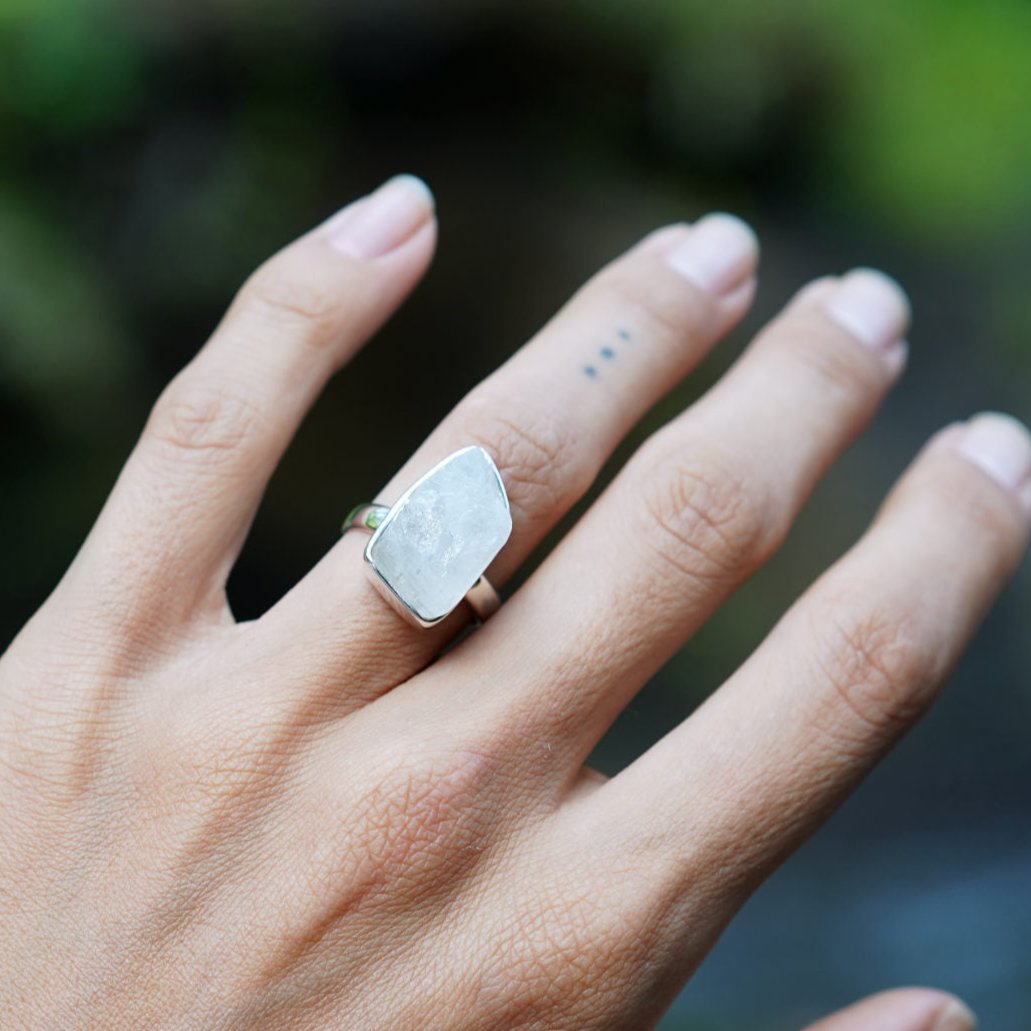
(566, 960)
(199, 759)
(706, 519)
(422, 817)
(302, 305)
(535, 452)
(666, 309)
(846, 373)
(876, 668)
(192, 416)
(991, 519)
(55, 758)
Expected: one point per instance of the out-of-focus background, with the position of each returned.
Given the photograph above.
(151, 154)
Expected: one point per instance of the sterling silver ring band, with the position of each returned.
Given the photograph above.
(429, 550)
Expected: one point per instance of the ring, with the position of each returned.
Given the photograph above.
(429, 550)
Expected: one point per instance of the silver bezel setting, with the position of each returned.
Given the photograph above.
(480, 594)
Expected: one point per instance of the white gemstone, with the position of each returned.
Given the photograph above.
(442, 534)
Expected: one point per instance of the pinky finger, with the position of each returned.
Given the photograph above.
(905, 1009)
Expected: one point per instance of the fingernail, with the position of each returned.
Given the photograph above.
(718, 254)
(871, 306)
(376, 224)
(955, 1017)
(1000, 446)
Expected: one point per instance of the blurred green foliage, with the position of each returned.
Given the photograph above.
(925, 118)
(63, 345)
(72, 66)
(924, 114)
(928, 121)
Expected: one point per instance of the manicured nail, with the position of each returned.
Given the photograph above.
(374, 225)
(718, 254)
(871, 306)
(955, 1017)
(1000, 446)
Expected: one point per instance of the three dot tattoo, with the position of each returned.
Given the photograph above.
(606, 352)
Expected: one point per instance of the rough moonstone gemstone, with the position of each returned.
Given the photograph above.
(442, 534)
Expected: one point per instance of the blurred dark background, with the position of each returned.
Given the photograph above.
(153, 154)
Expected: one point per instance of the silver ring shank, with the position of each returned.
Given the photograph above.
(482, 597)
(365, 517)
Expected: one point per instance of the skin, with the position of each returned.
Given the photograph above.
(317, 821)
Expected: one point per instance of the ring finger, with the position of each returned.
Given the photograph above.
(550, 416)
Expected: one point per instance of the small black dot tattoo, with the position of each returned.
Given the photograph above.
(607, 352)
(590, 371)
(624, 334)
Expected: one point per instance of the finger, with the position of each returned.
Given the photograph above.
(550, 416)
(904, 1009)
(697, 509)
(845, 672)
(177, 517)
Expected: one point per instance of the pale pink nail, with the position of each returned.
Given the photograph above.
(374, 225)
(1000, 446)
(871, 306)
(955, 1017)
(718, 254)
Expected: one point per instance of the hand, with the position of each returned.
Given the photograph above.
(313, 821)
